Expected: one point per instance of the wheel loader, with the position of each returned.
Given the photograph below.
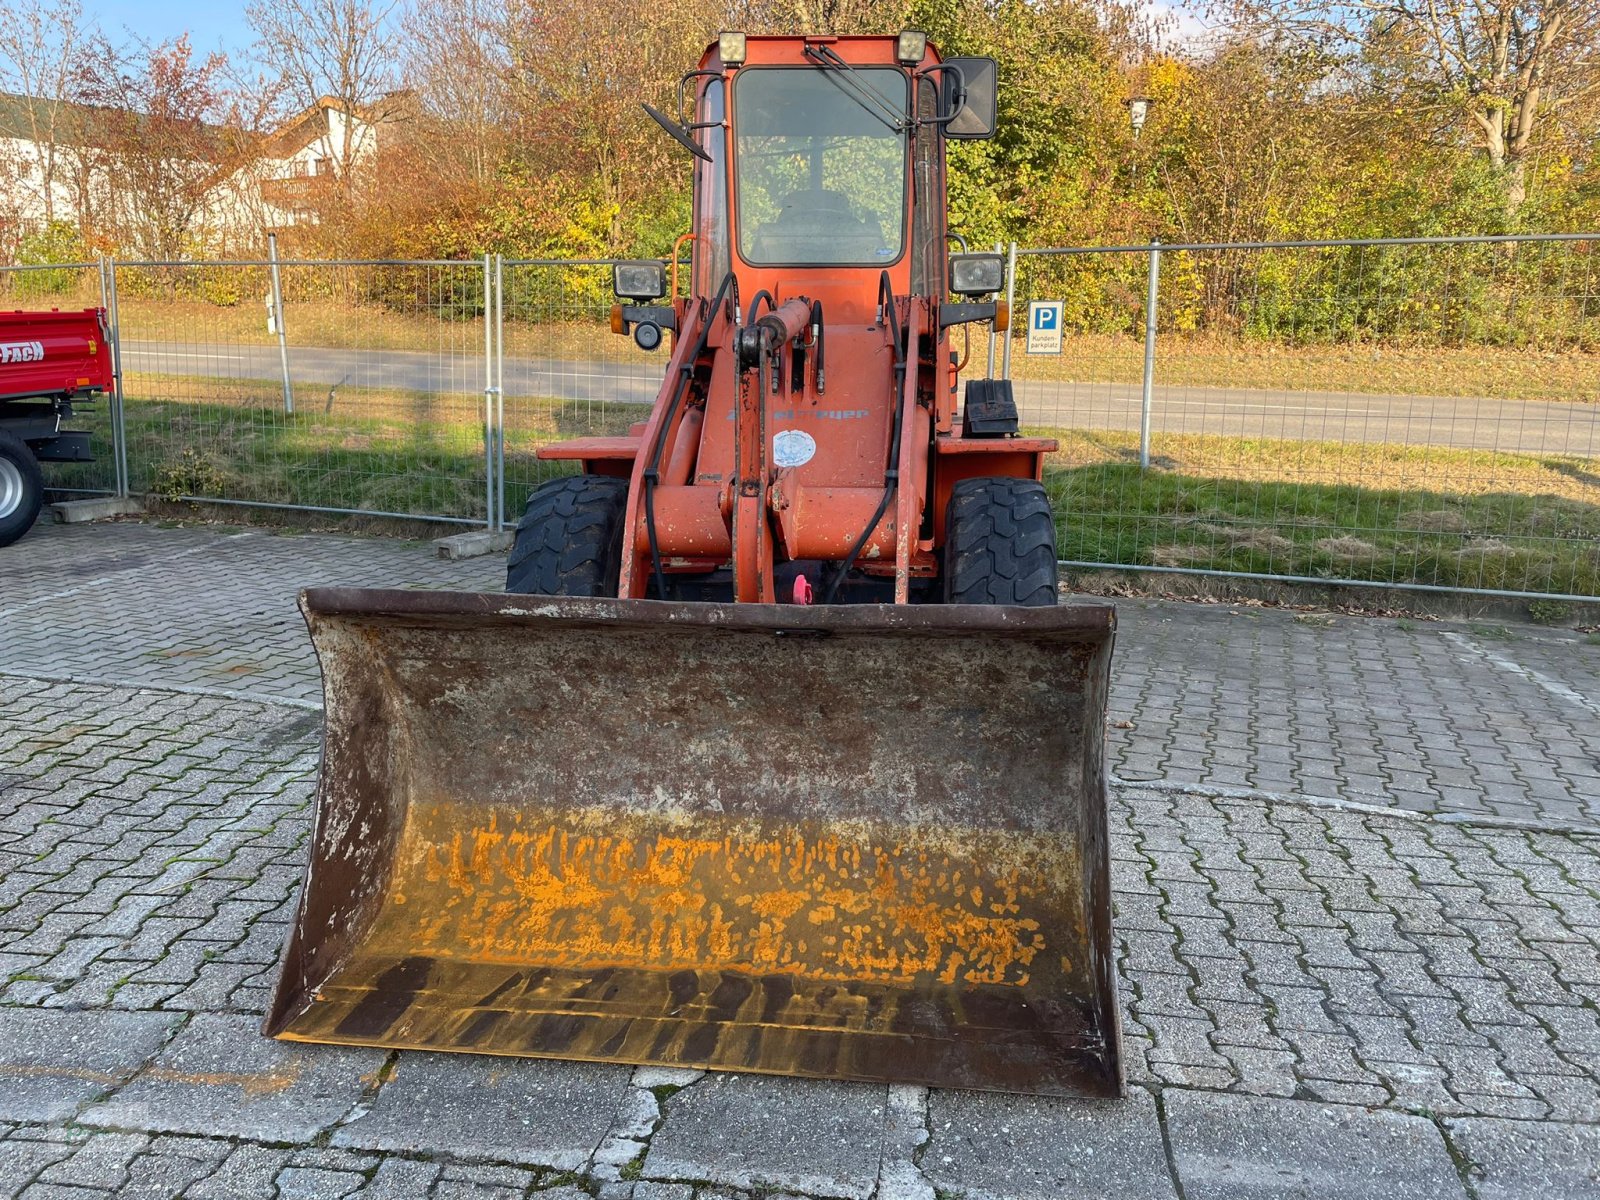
(778, 753)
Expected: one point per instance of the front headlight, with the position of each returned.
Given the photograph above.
(976, 274)
(640, 279)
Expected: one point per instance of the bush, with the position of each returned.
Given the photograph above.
(57, 242)
(191, 475)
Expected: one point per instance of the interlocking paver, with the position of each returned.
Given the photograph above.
(1249, 1148)
(151, 842)
(551, 1114)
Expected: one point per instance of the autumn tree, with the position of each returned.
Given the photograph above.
(1502, 69)
(575, 77)
(340, 49)
(455, 60)
(158, 139)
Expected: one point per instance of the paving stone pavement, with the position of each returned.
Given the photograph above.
(1420, 715)
(1301, 986)
(1394, 998)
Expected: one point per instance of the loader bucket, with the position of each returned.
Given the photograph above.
(858, 842)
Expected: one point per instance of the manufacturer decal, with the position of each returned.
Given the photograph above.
(793, 448)
(21, 352)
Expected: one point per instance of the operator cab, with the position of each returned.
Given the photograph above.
(819, 171)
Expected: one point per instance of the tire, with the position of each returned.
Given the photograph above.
(569, 541)
(21, 488)
(999, 544)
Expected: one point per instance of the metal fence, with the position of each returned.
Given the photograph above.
(1394, 413)
(1399, 412)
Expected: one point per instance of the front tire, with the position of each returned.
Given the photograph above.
(569, 541)
(1000, 544)
(21, 488)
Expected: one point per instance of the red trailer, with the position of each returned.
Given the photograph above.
(49, 362)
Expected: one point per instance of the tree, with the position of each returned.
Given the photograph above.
(159, 145)
(41, 43)
(340, 49)
(575, 77)
(1502, 68)
(456, 62)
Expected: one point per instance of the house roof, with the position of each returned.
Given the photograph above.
(311, 123)
(18, 115)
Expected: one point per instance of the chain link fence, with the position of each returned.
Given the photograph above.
(1408, 413)
(1396, 413)
(566, 374)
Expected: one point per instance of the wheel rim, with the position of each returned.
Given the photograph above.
(11, 488)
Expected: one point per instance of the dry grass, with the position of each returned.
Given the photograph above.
(1369, 466)
(1423, 370)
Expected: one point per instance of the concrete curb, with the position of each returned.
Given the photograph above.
(472, 545)
(76, 512)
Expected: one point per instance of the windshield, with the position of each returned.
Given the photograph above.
(820, 171)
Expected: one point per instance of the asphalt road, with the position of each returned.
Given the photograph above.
(1516, 426)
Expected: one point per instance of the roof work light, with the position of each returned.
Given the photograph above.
(731, 48)
(910, 46)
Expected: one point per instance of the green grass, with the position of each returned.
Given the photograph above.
(1332, 511)
(383, 450)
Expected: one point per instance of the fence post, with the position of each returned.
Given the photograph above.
(500, 388)
(277, 320)
(488, 397)
(989, 374)
(1011, 296)
(1147, 395)
(119, 424)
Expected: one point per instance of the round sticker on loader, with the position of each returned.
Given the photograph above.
(793, 448)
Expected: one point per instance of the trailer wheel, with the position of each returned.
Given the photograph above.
(21, 488)
(1000, 544)
(569, 541)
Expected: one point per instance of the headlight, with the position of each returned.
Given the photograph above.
(641, 279)
(976, 274)
(731, 48)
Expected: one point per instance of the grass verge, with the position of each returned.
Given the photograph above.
(1325, 510)
(1330, 510)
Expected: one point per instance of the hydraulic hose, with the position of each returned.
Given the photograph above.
(892, 475)
(652, 472)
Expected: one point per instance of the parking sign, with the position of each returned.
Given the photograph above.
(1044, 327)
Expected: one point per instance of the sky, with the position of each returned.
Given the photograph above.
(219, 24)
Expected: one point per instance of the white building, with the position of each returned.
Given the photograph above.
(287, 178)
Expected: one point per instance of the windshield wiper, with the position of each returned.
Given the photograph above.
(850, 83)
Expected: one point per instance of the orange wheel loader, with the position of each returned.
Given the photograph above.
(778, 754)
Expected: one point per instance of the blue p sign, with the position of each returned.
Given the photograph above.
(1044, 327)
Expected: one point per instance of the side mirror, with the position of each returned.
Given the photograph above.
(972, 117)
(639, 279)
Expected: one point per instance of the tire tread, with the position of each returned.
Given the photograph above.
(1000, 543)
(569, 541)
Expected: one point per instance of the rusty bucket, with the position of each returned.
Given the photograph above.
(862, 842)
